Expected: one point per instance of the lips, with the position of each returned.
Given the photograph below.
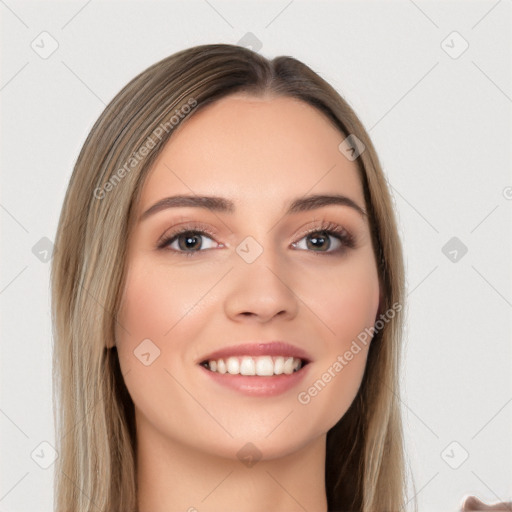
(272, 348)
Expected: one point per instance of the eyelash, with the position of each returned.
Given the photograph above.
(329, 228)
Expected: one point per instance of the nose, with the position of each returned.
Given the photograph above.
(261, 290)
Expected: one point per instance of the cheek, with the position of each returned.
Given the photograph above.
(332, 387)
(150, 308)
(346, 300)
(157, 302)
(335, 379)
(156, 322)
(347, 304)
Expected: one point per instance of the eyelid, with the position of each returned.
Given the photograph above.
(184, 227)
(336, 230)
(325, 225)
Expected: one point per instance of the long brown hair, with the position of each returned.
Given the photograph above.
(94, 414)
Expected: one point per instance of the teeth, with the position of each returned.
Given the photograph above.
(221, 366)
(247, 366)
(233, 365)
(264, 366)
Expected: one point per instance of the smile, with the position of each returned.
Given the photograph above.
(257, 376)
(263, 366)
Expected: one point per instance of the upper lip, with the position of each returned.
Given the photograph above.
(271, 348)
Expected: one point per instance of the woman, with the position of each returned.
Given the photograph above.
(227, 296)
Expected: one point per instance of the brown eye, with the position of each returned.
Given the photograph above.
(329, 238)
(187, 241)
(190, 239)
(320, 241)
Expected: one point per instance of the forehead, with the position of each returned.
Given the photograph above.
(253, 150)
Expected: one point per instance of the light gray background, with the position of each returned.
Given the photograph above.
(441, 124)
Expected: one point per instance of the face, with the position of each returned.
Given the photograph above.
(254, 273)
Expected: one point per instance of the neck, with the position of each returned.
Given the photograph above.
(172, 476)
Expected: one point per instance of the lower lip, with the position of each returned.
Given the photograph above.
(255, 385)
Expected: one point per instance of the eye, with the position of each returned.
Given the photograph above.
(320, 238)
(187, 240)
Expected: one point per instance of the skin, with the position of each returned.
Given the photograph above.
(473, 503)
(261, 153)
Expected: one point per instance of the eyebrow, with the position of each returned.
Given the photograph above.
(223, 205)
